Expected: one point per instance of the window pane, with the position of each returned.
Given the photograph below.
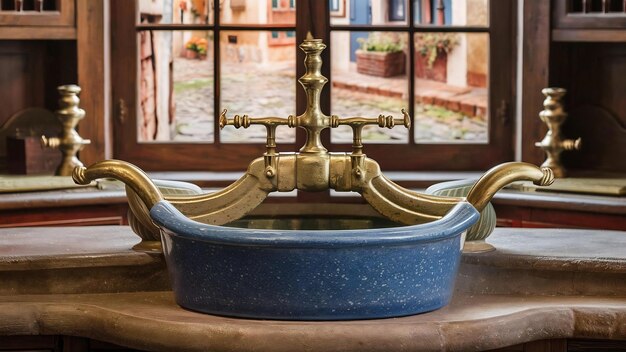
(368, 12)
(175, 11)
(176, 86)
(258, 75)
(451, 93)
(451, 12)
(258, 12)
(369, 78)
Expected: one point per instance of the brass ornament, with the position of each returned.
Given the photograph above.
(69, 143)
(553, 144)
(313, 168)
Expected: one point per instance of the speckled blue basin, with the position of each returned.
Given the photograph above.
(312, 274)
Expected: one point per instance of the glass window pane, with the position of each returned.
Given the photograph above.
(368, 12)
(369, 78)
(175, 11)
(258, 12)
(176, 86)
(451, 92)
(258, 75)
(451, 12)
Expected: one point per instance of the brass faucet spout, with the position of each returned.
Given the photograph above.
(499, 176)
(128, 173)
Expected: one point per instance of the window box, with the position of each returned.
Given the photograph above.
(439, 70)
(382, 64)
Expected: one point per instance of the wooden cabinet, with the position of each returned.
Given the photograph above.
(559, 210)
(589, 14)
(589, 21)
(79, 344)
(56, 344)
(64, 43)
(76, 207)
(37, 19)
(577, 45)
(567, 345)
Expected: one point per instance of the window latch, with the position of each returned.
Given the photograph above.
(122, 111)
(502, 112)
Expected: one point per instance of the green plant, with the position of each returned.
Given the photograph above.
(383, 42)
(430, 45)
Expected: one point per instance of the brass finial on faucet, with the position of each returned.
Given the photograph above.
(69, 142)
(553, 143)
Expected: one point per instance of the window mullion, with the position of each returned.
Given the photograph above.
(411, 42)
(217, 74)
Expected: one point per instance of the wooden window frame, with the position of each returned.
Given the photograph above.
(313, 15)
(563, 18)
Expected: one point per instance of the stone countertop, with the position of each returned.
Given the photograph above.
(152, 321)
(538, 284)
(44, 260)
(556, 250)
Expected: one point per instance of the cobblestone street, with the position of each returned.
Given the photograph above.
(269, 90)
(246, 89)
(193, 100)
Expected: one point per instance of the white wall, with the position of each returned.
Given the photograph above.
(163, 42)
(340, 41)
(163, 48)
(379, 11)
(457, 58)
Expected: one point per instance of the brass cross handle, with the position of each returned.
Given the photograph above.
(357, 124)
(270, 124)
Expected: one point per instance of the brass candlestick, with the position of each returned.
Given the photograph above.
(553, 143)
(69, 142)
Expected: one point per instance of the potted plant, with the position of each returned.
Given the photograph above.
(196, 47)
(431, 54)
(202, 45)
(190, 48)
(381, 54)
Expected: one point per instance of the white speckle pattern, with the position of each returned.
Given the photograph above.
(347, 281)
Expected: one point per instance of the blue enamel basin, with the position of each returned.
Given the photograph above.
(312, 274)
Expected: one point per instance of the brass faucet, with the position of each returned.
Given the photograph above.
(314, 164)
(70, 143)
(553, 143)
(313, 168)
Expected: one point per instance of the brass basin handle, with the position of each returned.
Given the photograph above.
(128, 173)
(135, 179)
(499, 176)
(357, 124)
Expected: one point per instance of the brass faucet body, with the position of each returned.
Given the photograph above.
(553, 144)
(69, 142)
(313, 168)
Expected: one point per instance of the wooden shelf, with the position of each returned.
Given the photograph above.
(29, 13)
(62, 16)
(589, 35)
(38, 33)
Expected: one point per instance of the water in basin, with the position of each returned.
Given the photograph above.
(313, 223)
